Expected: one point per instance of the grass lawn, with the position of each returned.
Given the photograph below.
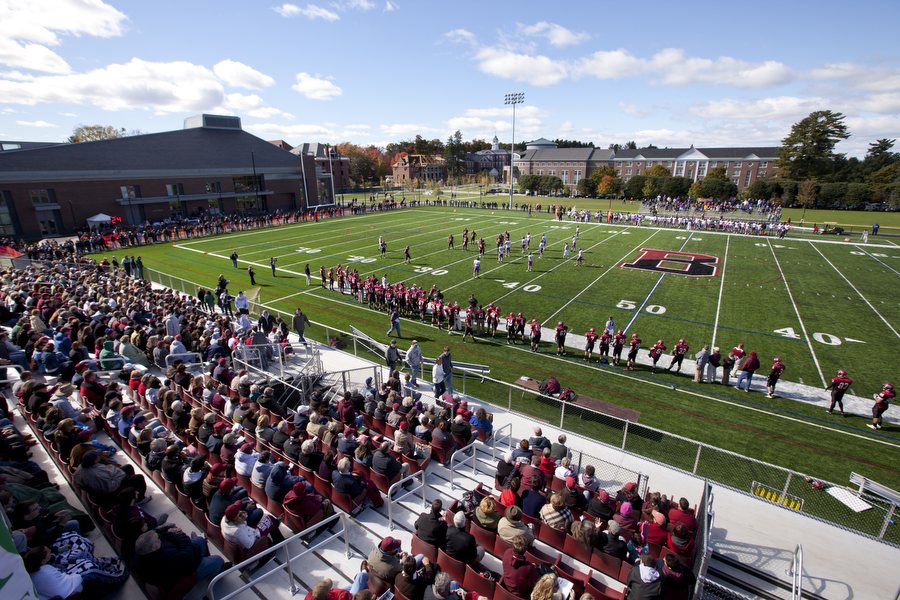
(831, 309)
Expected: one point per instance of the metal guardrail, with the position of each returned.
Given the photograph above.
(418, 487)
(466, 454)
(289, 558)
(727, 468)
(189, 358)
(797, 574)
(704, 518)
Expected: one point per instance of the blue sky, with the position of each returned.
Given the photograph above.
(376, 71)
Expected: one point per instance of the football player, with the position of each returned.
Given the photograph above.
(634, 346)
(882, 401)
(678, 353)
(590, 339)
(737, 355)
(618, 343)
(535, 335)
(605, 337)
(561, 330)
(777, 369)
(656, 351)
(469, 325)
(838, 386)
(510, 328)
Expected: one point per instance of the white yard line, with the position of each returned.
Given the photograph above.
(880, 316)
(599, 277)
(863, 250)
(637, 312)
(799, 318)
(719, 302)
(550, 270)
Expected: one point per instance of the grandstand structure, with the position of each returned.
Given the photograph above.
(747, 544)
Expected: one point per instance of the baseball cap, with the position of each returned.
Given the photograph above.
(390, 544)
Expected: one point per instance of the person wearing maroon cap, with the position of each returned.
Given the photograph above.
(384, 559)
(214, 443)
(230, 492)
(572, 498)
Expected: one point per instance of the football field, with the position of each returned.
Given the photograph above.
(821, 305)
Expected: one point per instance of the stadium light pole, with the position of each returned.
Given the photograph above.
(513, 99)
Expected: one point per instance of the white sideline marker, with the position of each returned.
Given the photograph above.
(712, 344)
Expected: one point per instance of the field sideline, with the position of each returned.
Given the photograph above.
(821, 306)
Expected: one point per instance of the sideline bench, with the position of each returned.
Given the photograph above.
(587, 402)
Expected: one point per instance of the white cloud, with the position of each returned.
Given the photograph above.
(294, 132)
(872, 78)
(30, 27)
(396, 131)
(137, 84)
(537, 70)
(882, 103)
(310, 11)
(776, 108)
(390, 6)
(40, 124)
(678, 69)
(240, 75)
(463, 36)
(252, 106)
(632, 109)
(363, 5)
(611, 64)
(316, 88)
(557, 35)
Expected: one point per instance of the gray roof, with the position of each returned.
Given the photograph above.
(540, 142)
(557, 154)
(180, 150)
(762, 152)
(651, 153)
(712, 153)
(15, 146)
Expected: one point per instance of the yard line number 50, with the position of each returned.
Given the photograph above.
(653, 309)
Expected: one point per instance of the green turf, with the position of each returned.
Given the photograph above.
(755, 302)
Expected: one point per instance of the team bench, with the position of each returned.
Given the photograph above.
(587, 402)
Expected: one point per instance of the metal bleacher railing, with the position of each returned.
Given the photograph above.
(724, 467)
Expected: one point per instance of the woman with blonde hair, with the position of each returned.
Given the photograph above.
(547, 588)
(486, 514)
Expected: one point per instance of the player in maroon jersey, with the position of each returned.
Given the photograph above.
(590, 339)
(618, 344)
(737, 355)
(634, 346)
(520, 327)
(510, 328)
(561, 330)
(493, 319)
(882, 401)
(450, 242)
(480, 245)
(605, 337)
(778, 368)
(406, 255)
(838, 386)
(678, 353)
(469, 325)
(535, 335)
(656, 351)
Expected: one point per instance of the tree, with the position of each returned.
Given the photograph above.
(586, 187)
(717, 173)
(806, 193)
(832, 194)
(634, 187)
(651, 187)
(602, 171)
(675, 186)
(573, 144)
(658, 171)
(808, 150)
(95, 133)
(456, 166)
(609, 185)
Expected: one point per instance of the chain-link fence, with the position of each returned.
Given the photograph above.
(690, 456)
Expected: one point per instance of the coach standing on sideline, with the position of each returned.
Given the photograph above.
(702, 360)
(447, 365)
(299, 323)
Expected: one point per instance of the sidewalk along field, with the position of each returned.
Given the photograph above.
(830, 309)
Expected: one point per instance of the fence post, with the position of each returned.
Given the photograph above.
(697, 459)
(355, 353)
(887, 521)
(562, 414)
(509, 403)
(625, 434)
(464, 382)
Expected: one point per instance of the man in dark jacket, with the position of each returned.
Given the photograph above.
(644, 582)
(165, 556)
(431, 526)
(387, 465)
(461, 544)
(519, 575)
(299, 322)
(461, 429)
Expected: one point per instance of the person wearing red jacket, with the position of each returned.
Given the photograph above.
(535, 335)
(838, 386)
(561, 330)
(92, 391)
(618, 343)
(882, 401)
(635, 345)
(751, 365)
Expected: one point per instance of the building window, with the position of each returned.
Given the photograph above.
(174, 189)
(736, 173)
(577, 177)
(552, 173)
(763, 166)
(747, 179)
(565, 176)
(701, 170)
(213, 187)
(738, 164)
(628, 164)
(40, 196)
(679, 168)
(628, 171)
(130, 192)
(248, 183)
(649, 163)
(6, 220)
(48, 226)
(540, 172)
(215, 206)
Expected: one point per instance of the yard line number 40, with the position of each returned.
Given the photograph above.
(823, 338)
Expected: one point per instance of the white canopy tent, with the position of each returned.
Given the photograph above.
(97, 220)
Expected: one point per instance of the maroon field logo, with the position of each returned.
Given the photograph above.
(675, 263)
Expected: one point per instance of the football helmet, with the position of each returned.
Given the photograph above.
(681, 341)
(888, 387)
(842, 373)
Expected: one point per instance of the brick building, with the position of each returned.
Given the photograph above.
(210, 166)
(494, 162)
(543, 157)
(417, 167)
